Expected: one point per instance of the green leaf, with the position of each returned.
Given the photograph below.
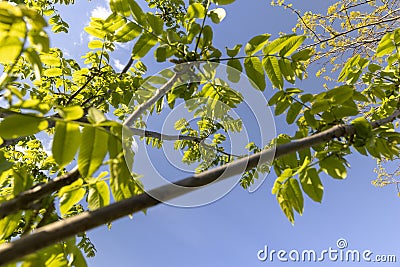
(281, 106)
(374, 67)
(286, 68)
(256, 44)
(285, 204)
(71, 113)
(217, 15)
(293, 112)
(15, 126)
(163, 52)
(348, 67)
(255, 72)
(70, 195)
(196, 10)
(143, 45)
(302, 55)
(52, 72)
(50, 60)
(156, 23)
(127, 33)
(95, 116)
(22, 180)
(223, 2)
(50, 256)
(95, 32)
(122, 183)
(91, 155)
(234, 70)
(35, 61)
(95, 44)
(234, 51)
(207, 36)
(340, 94)
(10, 47)
(9, 224)
(286, 174)
(362, 127)
(296, 195)
(138, 13)
(193, 31)
(334, 167)
(310, 119)
(275, 98)
(311, 184)
(111, 24)
(277, 44)
(291, 45)
(319, 106)
(65, 143)
(385, 46)
(99, 195)
(121, 7)
(271, 66)
(4, 163)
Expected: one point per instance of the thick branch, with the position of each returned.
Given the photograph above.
(25, 199)
(63, 229)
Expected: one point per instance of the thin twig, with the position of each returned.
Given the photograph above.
(351, 30)
(302, 20)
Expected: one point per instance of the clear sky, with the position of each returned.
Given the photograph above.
(231, 231)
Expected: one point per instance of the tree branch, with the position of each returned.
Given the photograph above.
(168, 137)
(63, 229)
(302, 20)
(159, 93)
(351, 30)
(25, 199)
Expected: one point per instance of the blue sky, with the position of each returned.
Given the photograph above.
(230, 231)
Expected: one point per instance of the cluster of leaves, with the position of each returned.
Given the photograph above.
(349, 27)
(317, 112)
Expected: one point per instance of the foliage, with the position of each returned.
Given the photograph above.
(50, 96)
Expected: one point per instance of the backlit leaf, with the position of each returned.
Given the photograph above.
(92, 153)
(15, 126)
(99, 195)
(271, 66)
(256, 44)
(143, 45)
(311, 184)
(66, 142)
(70, 195)
(255, 72)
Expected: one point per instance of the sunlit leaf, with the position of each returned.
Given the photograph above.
(92, 153)
(71, 195)
(65, 143)
(143, 45)
(256, 44)
(217, 15)
(271, 66)
(255, 72)
(15, 126)
(311, 184)
(196, 10)
(99, 195)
